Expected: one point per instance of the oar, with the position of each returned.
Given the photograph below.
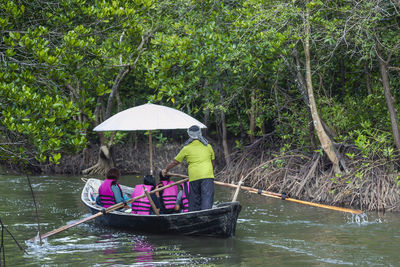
(237, 189)
(153, 206)
(279, 196)
(284, 197)
(107, 210)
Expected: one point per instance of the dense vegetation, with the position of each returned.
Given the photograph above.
(300, 78)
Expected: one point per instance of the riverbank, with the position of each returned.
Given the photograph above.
(306, 176)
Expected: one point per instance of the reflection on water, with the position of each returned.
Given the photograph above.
(144, 251)
(270, 232)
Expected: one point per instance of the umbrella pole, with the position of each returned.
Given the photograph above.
(151, 153)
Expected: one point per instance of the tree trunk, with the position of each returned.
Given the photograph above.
(224, 133)
(313, 141)
(367, 79)
(106, 157)
(242, 131)
(325, 141)
(104, 163)
(206, 120)
(121, 75)
(206, 113)
(301, 84)
(389, 101)
(343, 75)
(252, 116)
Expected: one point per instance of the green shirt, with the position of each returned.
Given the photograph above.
(199, 158)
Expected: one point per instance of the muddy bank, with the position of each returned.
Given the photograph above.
(128, 158)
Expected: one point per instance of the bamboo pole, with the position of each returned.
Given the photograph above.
(283, 197)
(279, 196)
(107, 210)
(151, 152)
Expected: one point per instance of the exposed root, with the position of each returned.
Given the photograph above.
(368, 184)
(103, 165)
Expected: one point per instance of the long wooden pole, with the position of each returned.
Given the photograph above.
(279, 196)
(151, 152)
(107, 210)
(237, 190)
(283, 197)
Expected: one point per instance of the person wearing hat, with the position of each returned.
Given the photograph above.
(200, 158)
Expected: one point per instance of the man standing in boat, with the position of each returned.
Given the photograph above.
(201, 162)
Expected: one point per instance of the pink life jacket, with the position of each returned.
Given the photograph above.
(168, 195)
(185, 196)
(142, 205)
(106, 195)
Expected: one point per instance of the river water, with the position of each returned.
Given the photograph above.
(269, 232)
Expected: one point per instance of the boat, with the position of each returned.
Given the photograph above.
(220, 221)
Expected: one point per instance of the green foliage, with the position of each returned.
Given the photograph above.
(160, 139)
(50, 76)
(59, 63)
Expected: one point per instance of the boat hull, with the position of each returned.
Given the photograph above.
(220, 221)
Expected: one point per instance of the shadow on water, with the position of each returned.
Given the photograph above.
(269, 232)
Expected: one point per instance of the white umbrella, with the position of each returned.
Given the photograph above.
(148, 117)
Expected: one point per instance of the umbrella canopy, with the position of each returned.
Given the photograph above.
(148, 117)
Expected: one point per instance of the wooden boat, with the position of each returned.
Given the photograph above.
(220, 221)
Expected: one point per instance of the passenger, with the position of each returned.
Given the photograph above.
(142, 205)
(168, 195)
(200, 158)
(182, 200)
(110, 193)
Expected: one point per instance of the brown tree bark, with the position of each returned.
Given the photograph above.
(343, 75)
(389, 101)
(106, 157)
(324, 139)
(252, 117)
(242, 130)
(224, 132)
(301, 84)
(367, 79)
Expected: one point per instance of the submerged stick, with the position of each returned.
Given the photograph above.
(3, 227)
(107, 210)
(36, 210)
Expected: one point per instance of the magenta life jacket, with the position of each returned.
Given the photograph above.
(185, 196)
(106, 195)
(142, 205)
(168, 195)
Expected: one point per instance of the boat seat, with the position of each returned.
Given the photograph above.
(93, 190)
